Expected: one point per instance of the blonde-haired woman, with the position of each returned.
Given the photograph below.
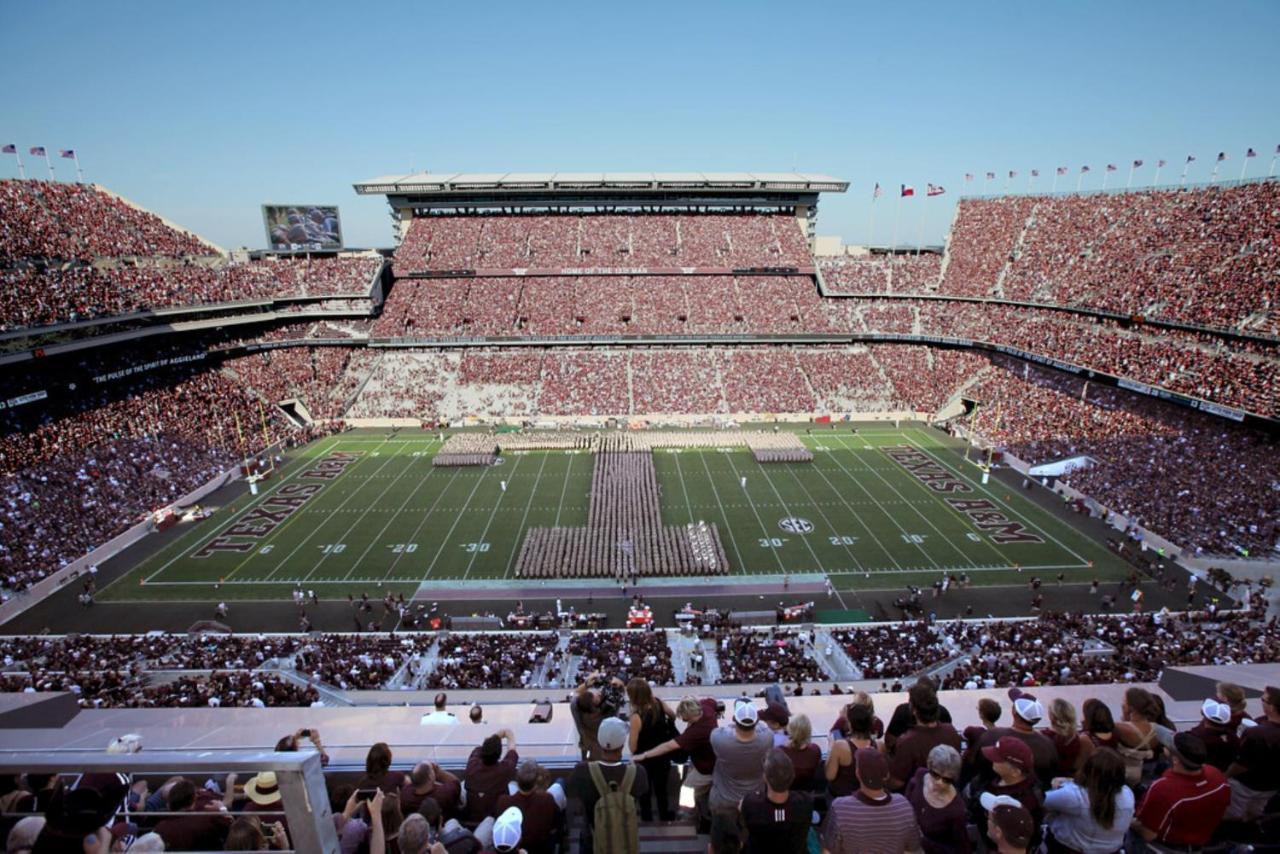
(805, 756)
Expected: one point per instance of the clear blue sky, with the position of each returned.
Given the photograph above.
(202, 111)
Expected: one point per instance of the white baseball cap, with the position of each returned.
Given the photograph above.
(1219, 713)
(507, 829)
(1029, 709)
(991, 801)
(612, 733)
(744, 713)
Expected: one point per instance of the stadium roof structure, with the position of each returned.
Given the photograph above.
(515, 183)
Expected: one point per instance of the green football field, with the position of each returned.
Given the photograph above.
(367, 512)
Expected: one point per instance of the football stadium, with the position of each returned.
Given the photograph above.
(638, 511)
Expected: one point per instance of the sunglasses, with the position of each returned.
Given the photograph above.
(941, 778)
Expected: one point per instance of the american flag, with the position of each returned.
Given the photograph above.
(1222, 155)
(69, 153)
(1251, 153)
(1111, 167)
(968, 176)
(1084, 169)
(1191, 158)
(991, 176)
(9, 149)
(38, 150)
(1137, 163)
(1160, 164)
(1013, 174)
(877, 192)
(1062, 170)
(1035, 173)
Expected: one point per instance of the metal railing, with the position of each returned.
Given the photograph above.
(304, 797)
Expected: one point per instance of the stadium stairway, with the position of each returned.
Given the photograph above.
(678, 837)
(838, 665)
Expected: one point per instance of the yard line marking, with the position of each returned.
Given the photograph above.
(785, 509)
(515, 546)
(303, 463)
(395, 515)
(893, 519)
(425, 515)
(853, 514)
(493, 513)
(456, 519)
(823, 514)
(564, 488)
(764, 530)
(684, 487)
(724, 517)
(943, 537)
(307, 538)
(998, 500)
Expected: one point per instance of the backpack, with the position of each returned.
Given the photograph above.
(616, 827)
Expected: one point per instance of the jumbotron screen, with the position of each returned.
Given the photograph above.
(302, 228)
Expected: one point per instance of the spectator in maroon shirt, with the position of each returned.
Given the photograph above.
(541, 809)
(429, 780)
(1255, 775)
(1027, 712)
(1013, 766)
(489, 771)
(911, 751)
(1216, 732)
(1185, 805)
(700, 721)
(378, 773)
(989, 712)
(805, 756)
(939, 808)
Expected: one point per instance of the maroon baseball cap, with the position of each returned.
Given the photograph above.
(775, 713)
(1012, 750)
(873, 768)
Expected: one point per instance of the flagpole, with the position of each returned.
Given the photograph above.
(1106, 173)
(986, 180)
(897, 208)
(1031, 180)
(1243, 167)
(1156, 181)
(1213, 178)
(1079, 180)
(1129, 183)
(1185, 167)
(49, 163)
(1055, 181)
(871, 225)
(79, 172)
(22, 171)
(1272, 170)
(920, 225)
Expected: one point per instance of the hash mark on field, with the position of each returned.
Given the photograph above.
(787, 510)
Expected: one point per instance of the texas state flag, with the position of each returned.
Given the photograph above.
(908, 190)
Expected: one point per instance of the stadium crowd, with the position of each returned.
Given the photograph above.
(1039, 771)
(1206, 484)
(605, 241)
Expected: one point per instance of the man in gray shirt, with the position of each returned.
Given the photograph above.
(740, 751)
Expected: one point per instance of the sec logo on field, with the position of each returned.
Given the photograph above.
(796, 525)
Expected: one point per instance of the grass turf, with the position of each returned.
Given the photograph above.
(388, 520)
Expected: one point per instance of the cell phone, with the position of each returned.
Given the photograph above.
(365, 794)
